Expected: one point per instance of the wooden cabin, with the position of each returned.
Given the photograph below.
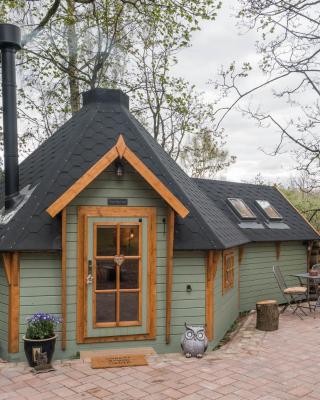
(108, 231)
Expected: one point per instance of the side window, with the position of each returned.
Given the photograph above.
(228, 272)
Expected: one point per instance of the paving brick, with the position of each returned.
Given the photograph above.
(254, 365)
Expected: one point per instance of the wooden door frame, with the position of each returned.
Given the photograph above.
(85, 212)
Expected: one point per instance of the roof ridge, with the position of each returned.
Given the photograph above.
(222, 181)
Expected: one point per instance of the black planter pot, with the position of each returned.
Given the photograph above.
(32, 346)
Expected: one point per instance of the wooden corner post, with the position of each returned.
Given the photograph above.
(64, 280)
(211, 269)
(12, 270)
(170, 239)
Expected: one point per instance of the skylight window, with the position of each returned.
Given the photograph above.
(269, 210)
(242, 209)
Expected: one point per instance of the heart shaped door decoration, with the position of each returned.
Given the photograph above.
(119, 260)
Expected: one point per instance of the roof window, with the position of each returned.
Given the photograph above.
(241, 208)
(269, 210)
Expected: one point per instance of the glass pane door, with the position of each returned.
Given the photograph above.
(117, 262)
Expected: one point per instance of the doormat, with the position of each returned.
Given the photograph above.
(116, 361)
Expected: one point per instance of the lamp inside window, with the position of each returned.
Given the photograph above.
(242, 209)
(269, 210)
(119, 169)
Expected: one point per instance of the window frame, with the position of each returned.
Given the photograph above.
(238, 213)
(226, 269)
(280, 218)
(117, 291)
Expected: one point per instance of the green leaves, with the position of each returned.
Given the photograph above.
(108, 43)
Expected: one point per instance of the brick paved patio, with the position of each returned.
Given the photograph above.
(254, 365)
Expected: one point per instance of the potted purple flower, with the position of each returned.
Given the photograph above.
(40, 336)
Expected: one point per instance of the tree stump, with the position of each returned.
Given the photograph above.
(267, 315)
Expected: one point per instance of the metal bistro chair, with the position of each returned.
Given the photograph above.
(316, 267)
(316, 286)
(293, 295)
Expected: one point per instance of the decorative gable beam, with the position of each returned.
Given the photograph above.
(155, 183)
(120, 150)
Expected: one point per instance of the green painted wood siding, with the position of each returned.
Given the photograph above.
(4, 300)
(226, 305)
(188, 269)
(40, 287)
(256, 277)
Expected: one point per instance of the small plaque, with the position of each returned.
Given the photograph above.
(116, 361)
(117, 202)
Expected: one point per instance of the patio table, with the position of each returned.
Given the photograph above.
(310, 279)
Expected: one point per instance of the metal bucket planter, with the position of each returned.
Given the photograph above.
(34, 346)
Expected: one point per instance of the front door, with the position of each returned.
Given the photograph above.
(118, 272)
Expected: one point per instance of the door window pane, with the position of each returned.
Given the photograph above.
(129, 274)
(129, 240)
(105, 275)
(105, 307)
(106, 240)
(129, 306)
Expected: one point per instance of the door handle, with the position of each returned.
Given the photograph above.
(89, 276)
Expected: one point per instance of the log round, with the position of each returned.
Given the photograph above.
(267, 315)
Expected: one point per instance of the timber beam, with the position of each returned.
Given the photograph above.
(170, 239)
(11, 265)
(211, 270)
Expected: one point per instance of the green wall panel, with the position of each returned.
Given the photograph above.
(256, 278)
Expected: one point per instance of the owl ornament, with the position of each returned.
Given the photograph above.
(194, 342)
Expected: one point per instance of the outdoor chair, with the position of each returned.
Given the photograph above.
(316, 267)
(293, 295)
(315, 287)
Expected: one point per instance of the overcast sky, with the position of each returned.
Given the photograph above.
(219, 43)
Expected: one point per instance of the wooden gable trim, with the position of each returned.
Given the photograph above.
(211, 270)
(11, 264)
(155, 183)
(120, 150)
(82, 182)
(169, 278)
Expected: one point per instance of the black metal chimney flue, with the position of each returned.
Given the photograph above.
(10, 42)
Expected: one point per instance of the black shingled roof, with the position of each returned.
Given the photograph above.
(220, 191)
(80, 143)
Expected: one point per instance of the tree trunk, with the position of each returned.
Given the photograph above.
(73, 58)
(267, 315)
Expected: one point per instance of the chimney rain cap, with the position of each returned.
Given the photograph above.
(10, 36)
